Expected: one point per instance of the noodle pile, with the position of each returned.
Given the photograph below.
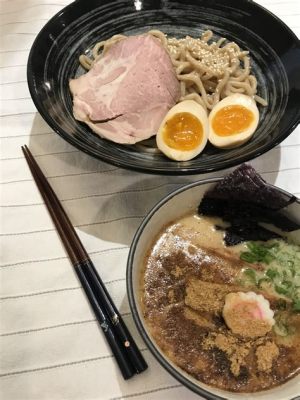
(207, 72)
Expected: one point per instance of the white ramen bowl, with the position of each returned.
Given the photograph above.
(170, 208)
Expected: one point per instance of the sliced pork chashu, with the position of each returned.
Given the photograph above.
(128, 91)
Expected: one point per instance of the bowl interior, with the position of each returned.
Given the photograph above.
(74, 31)
(179, 203)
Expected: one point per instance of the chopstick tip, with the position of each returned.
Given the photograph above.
(25, 149)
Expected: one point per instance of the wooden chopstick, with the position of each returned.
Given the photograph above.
(123, 346)
(125, 366)
(82, 257)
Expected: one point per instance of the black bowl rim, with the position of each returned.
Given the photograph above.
(129, 286)
(140, 168)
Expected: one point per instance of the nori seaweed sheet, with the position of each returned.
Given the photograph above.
(244, 199)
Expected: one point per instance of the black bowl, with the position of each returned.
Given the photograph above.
(274, 49)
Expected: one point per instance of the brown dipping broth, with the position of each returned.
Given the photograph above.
(187, 273)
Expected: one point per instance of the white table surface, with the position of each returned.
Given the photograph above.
(50, 344)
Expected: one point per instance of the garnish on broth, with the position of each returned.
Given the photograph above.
(281, 269)
(245, 201)
(248, 314)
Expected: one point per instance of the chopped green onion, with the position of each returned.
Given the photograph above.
(272, 273)
(296, 305)
(283, 273)
(262, 281)
(250, 273)
(268, 258)
(257, 253)
(281, 329)
(281, 290)
(287, 284)
(248, 257)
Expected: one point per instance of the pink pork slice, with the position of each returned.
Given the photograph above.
(128, 91)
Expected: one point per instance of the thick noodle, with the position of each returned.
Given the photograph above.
(207, 70)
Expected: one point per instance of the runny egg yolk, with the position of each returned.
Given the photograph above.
(183, 131)
(232, 120)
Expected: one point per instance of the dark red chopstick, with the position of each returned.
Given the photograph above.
(122, 344)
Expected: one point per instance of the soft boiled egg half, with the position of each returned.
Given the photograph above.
(233, 121)
(183, 132)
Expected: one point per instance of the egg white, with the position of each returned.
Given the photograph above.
(236, 140)
(192, 107)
